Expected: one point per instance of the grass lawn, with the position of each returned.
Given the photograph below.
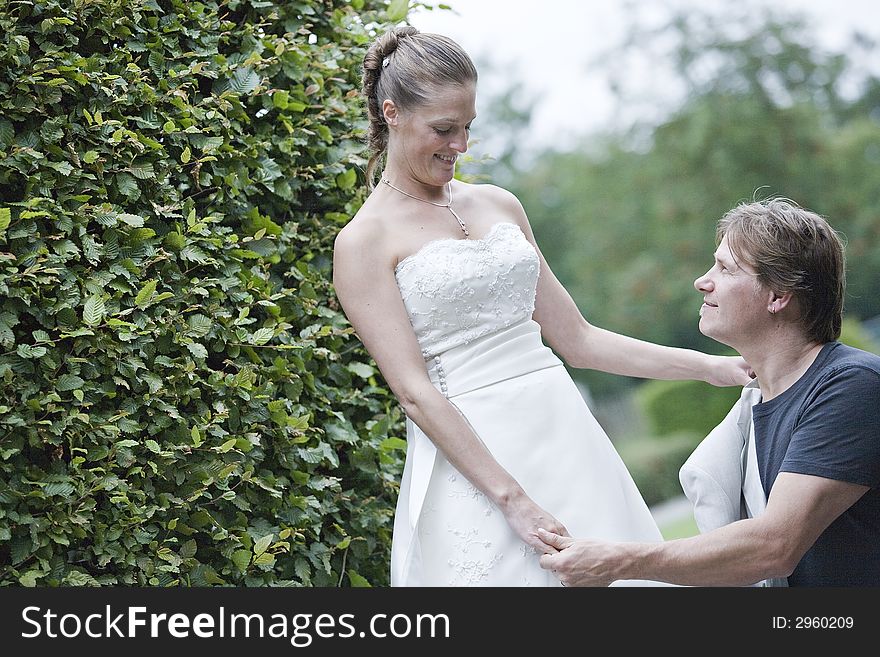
(681, 528)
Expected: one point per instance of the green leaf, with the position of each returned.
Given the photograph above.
(390, 444)
(188, 549)
(29, 579)
(397, 10)
(142, 170)
(244, 81)
(146, 294)
(127, 185)
(69, 382)
(186, 155)
(265, 559)
(347, 179)
(79, 578)
(90, 156)
(5, 218)
(154, 383)
(93, 311)
(361, 369)
(228, 445)
(262, 336)
(303, 570)
(152, 445)
(28, 351)
(262, 544)
(63, 488)
(357, 581)
(281, 98)
(199, 325)
(64, 168)
(156, 60)
(131, 219)
(7, 133)
(197, 349)
(241, 559)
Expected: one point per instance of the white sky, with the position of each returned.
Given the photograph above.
(549, 46)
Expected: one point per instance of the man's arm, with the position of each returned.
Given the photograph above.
(800, 508)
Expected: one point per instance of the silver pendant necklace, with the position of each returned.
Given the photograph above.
(447, 205)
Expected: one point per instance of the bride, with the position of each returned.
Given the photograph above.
(449, 293)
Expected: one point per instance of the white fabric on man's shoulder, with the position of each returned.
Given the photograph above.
(721, 477)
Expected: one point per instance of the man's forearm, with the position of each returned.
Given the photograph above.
(738, 554)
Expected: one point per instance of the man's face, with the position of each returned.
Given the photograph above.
(734, 306)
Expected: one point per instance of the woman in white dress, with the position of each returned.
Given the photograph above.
(449, 293)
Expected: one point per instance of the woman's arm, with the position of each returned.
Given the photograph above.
(582, 345)
(363, 275)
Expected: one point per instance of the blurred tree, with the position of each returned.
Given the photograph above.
(627, 221)
(504, 115)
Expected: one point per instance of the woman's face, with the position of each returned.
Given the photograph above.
(424, 142)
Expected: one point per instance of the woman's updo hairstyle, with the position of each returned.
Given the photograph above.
(407, 67)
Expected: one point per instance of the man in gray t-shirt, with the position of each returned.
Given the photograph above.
(775, 294)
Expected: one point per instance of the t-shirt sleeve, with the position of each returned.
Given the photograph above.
(838, 433)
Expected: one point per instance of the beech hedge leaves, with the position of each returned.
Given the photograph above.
(181, 400)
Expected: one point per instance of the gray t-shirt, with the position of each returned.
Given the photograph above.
(828, 425)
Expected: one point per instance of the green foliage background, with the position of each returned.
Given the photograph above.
(627, 218)
(181, 401)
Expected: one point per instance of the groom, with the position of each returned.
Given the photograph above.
(775, 294)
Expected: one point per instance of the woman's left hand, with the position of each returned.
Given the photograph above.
(729, 371)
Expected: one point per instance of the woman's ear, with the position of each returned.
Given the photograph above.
(389, 112)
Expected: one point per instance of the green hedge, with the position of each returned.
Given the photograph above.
(654, 464)
(181, 400)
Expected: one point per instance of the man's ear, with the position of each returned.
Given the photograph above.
(389, 112)
(777, 302)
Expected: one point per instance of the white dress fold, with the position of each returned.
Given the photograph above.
(470, 303)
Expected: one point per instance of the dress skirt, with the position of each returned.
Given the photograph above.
(521, 402)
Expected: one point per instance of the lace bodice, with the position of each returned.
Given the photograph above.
(459, 290)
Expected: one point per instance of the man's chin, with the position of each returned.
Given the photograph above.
(709, 332)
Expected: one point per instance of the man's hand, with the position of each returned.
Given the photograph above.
(579, 562)
(729, 371)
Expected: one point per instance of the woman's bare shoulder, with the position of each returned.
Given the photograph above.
(487, 192)
(366, 230)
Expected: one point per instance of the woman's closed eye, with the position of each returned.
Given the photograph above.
(446, 131)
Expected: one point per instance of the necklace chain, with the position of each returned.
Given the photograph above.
(447, 205)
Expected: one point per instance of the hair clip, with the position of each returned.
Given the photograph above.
(385, 62)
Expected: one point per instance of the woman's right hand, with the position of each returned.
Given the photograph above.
(525, 517)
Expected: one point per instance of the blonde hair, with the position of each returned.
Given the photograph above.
(407, 67)
(792, 250)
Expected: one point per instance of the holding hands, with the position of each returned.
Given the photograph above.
(578, 562)
(527, 519)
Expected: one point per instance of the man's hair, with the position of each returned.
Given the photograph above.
(792, 250)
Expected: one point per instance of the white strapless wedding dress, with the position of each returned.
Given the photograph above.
(470, 303)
